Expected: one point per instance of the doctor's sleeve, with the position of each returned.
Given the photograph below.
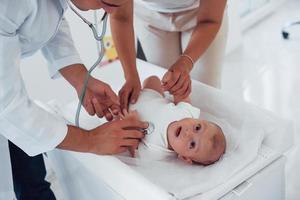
(23, 122)
(60, 51)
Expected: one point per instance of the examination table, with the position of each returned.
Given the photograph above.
(90, 177)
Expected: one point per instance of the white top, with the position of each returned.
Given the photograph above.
(153, 107)
(169, 6)
(25, 27)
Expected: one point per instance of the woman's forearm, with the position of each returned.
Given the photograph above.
(123, 36)
(202, 36)
(210, 17)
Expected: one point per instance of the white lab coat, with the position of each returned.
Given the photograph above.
(27, 26)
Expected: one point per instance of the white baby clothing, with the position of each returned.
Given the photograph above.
(161, 112)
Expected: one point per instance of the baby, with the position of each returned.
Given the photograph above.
(176, 127)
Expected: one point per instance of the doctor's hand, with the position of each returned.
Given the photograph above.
(116, 137)
(177, 79)
(130, 92)
(99, 99)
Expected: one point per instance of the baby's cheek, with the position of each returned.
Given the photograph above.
(179, 147)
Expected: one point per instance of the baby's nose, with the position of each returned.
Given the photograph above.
(187, 132)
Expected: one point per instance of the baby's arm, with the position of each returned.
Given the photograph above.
(153, 82)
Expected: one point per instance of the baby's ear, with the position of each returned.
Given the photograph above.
(185, 159)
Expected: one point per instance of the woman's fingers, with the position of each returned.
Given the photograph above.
(182, 82)
(167, 77)
(188, 90)
(134, 95)
(180, 91)
(185, 92)
(124, 95)
(170, 80)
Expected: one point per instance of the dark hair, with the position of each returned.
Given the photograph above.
(216, 143)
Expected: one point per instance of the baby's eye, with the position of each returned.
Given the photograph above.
(192, 144)
(198, 127)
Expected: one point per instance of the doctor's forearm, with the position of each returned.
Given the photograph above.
(76, 140)
(74, 74)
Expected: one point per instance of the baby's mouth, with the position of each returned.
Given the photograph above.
(177, 133)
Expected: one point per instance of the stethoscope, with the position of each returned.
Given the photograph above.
(99, 38)
(149, 129)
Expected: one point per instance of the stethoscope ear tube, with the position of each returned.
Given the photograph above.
(101, 54)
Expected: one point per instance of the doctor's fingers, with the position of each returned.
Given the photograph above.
(132, 151)
(132, 124)
(115, 108)
(121, 150)
(111, 94)
(108, 115)
(132, 134)
(88, 105)
(130, 143)
(98, 108)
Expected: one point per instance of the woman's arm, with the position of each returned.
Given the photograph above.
(210, 16)
(123, 35)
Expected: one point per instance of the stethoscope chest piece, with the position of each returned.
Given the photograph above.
(150, 128)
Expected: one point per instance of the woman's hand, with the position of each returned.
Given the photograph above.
(177, 79)
(99, 99)
(130, 92)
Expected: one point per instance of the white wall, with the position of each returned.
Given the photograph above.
(41, 87)
(235, 28)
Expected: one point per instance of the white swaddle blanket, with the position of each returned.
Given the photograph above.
(246, 127)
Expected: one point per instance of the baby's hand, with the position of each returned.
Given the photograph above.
(131, 114)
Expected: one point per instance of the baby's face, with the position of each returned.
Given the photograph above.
(196, 140)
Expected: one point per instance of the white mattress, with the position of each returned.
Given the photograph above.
(133, 185)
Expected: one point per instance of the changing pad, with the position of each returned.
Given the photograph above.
(251, 133)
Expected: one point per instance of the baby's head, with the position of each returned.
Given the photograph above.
(196, 141)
